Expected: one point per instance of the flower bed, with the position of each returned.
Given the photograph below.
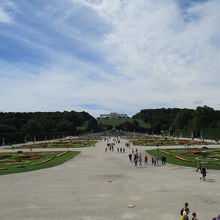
(152, 140)
(209, 158)
(61, 154)
(183, 159)
(176, 157)
(47, 159)
(164, 152)
(44, 161)
(3, 155)
(8, 161)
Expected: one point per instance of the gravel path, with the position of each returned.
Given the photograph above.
(98, 185)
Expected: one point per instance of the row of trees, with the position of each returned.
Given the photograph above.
(203, 120)
(17, 127)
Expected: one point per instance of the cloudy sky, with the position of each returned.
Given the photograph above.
(105, 56)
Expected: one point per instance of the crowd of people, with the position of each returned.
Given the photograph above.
(134, 156)
(185, 213)
(139, 160)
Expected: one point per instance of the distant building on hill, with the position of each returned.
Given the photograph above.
(113, 116)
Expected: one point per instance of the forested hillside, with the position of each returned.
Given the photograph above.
(18, 127)
(202, 122)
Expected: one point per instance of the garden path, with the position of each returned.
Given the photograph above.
(99, 185)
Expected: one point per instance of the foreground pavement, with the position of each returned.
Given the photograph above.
(99, 185)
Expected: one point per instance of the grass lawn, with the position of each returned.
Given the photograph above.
(24, 162)
(211, 161)
(61, 144)
(153, 141)
(117, 122)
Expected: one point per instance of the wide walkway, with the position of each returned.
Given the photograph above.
(99, 185)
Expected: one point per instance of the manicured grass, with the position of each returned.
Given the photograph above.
(117, 122)
(30, 165)
(65, 144)
(209, 163)
(153, 141)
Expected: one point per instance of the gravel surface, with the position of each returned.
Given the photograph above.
(98, 185)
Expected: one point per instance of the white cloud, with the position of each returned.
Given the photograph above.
(152, 43)
(153, 54)
(4, 16)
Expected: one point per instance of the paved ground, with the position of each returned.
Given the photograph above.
(80, 189)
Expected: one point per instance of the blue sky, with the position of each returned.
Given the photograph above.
(102, 56)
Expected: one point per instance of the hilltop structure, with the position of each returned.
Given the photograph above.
(113, 116)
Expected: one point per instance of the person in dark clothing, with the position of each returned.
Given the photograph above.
(203, 172)
(135, 161)
(152, 161)
(165, 160)
(194, 216)
(145, 160)
(130, 157)
(216, 218)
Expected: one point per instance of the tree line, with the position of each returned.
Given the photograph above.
(17, 127)
(202, 122)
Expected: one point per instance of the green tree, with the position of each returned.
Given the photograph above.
(33, 128)
(203, 117)
(182, 119)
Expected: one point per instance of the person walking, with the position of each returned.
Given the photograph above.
(135, 160)
(152, 161)
(203, 172)
(164, 160)
(183, 210)
(140, 160)
(130, 157)
(145, 160)
(199, 166)
(194, 216)
(217, 217)
(185, 215)
(157, 159)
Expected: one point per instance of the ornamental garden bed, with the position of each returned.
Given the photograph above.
(23, 162)
(75, 143)
(208, 158)
(154, 141)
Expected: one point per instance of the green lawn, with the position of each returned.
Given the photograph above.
(32, 164)
(65, 144)
(117, 122)
(190, 154)
(153, 141)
